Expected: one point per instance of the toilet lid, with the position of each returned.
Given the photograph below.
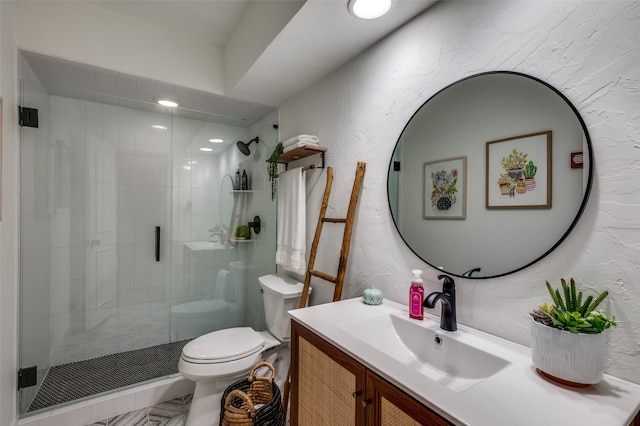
(223, 345)
(282, 286)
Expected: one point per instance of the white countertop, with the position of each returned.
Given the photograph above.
(516, 395)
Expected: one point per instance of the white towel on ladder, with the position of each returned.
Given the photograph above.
(292, 211)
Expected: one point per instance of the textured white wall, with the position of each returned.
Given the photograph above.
(587, 50)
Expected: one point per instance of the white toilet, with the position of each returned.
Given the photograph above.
(217, 359)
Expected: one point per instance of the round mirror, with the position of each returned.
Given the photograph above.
(490, 175)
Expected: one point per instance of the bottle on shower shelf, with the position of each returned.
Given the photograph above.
(236, 185)
(245, 181)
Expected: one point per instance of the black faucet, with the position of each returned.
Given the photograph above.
(448, 300)
(471, 271)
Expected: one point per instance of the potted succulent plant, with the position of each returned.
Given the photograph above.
(514, 163)
(243, 232)
(504, 182)
(567, 339)
(529, 174)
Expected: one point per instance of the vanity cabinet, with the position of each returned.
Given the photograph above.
(328, 387)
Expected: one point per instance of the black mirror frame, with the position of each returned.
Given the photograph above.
(585, 197)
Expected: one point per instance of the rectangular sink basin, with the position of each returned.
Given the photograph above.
(457, 360)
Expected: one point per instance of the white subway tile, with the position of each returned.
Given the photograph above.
(76, 108)
(124, 404)
(59, 105)
(102, 410)
(144, 398)
(127, 165)
(79, 417)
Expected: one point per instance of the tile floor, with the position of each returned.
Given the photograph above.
(170, 413)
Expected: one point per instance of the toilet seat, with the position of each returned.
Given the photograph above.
(223, 346)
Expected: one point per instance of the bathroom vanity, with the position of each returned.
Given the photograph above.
(334, 388)
(360, 364)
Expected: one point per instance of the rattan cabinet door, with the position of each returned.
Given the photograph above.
(327, 385)
(390, 406)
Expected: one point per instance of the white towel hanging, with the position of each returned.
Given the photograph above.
(291, 229)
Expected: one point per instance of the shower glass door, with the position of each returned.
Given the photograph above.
(95, 185)
(99, 310)
(215, 276)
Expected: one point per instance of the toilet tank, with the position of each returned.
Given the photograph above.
(280, 294)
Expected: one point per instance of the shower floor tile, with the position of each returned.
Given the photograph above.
(77, 380)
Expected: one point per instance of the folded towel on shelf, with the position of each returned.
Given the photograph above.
(296, 139)
(300, 144)
(291, 221)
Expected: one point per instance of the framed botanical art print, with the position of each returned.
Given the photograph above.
(519, 172)
(445, 189)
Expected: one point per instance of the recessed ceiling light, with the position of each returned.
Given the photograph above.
(369, 9)
(159, 127)
(216, 140)
(168, 102)
(206, 149)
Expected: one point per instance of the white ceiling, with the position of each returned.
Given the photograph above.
(319, 38)
(211, 20)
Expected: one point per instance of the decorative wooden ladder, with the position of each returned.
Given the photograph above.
(338, 279)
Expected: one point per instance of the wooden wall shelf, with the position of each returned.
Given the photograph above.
(303, 152)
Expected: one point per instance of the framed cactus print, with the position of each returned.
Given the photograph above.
(445, 189)
(519, 172)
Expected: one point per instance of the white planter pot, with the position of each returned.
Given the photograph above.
(574, 359)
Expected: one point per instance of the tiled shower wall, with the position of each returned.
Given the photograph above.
(102, 182)
(114, 296)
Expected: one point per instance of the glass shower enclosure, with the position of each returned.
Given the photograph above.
(127, 247)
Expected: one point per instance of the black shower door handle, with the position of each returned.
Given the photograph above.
(157, 244)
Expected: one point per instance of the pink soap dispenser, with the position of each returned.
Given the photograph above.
(416, 296)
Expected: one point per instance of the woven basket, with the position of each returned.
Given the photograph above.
(240, 399)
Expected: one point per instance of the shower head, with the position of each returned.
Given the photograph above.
(244, 147)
